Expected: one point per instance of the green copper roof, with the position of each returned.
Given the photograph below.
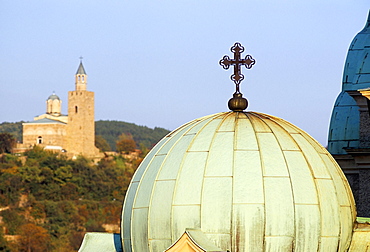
(344, 130)
(81, 69)
(345, 120)
(248, 181)
(356, 73)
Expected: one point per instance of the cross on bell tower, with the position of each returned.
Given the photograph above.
(237, 103)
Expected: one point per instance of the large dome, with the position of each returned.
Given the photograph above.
(248, 181)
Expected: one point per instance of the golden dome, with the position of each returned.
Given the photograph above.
(248, 181)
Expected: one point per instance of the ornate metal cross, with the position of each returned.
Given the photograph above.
(248, 62)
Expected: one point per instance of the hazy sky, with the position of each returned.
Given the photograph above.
(155, 63)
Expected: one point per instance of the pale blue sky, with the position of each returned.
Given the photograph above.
(155, 63)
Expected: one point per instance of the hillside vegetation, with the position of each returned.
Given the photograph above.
(142, 135)
(13, 128)
(48, 202)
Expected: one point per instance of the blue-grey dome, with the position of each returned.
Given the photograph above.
(344, 125)
(356, 73)
(53, 97)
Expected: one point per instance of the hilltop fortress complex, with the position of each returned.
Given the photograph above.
(74, 133)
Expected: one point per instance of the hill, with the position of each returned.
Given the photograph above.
(109, 130)
(13, 128)
(48, 202)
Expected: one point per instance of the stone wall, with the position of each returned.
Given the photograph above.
(51, 134)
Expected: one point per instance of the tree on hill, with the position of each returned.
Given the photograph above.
(111, 130)
(13, 128)
(34, 238)
(7, 143)
(101, 143)
(125, 143)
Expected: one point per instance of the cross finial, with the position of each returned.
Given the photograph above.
(81, 58)
(237, 103)
(248, 62)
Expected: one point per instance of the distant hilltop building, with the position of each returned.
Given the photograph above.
(73, 133)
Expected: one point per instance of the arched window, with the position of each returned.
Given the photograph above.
(76, 109)
(83, 78)
(79, 77)
(39, 140)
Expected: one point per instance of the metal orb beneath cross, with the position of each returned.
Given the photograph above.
(237, 103)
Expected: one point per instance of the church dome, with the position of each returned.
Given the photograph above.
(345, 120)
(53, 105)
(248, 181)
(344, 129)
(53, 97)
(357, 67)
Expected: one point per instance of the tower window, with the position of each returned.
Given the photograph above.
(83, 78)
(79, 77)
(76, 109)
(39, 140)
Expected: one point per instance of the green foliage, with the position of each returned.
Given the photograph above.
(101, 143)
(144, 150)
(60, 198)
(111, 130)
(13, 220)
(4, 244)
(13, 128)
(34, 238)
(8, 161)
(10, 180)
(7, 143)
(125, 143)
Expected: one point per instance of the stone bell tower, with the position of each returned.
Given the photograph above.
(81, 124)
